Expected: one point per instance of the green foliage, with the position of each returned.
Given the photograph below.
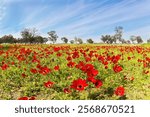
(90, 41)
(52, 36)
(64, 39)
(107, 39)
(72, 41)
(7, 39)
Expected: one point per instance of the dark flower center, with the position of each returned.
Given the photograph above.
(97, 83)
(79, 86)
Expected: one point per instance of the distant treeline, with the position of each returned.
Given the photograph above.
(31, 36)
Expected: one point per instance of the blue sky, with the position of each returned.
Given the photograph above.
(80, 18)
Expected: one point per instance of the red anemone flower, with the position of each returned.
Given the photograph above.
(23, 98)
(94, 72)
(69, 58)
(4, 66)
(71, 64)
(44, 70)
(48, 84)
(117, 68)
(56, 68)
(91, 79)
(115, 59)
(119, 91)
(56, 49)
(23, 75)
(98, 83)
(79, 84)
(33, 71)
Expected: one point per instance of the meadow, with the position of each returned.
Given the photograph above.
(74, 72)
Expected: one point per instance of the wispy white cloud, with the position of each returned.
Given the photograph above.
(121, 12)
(62, 14)
(100, 15)
(31, 17)
(142, 31)
(2, 9)
(85, 17)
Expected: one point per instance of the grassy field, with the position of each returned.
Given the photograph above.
(72, 72)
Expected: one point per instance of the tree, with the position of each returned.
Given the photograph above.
(123, 41)
(107, 39)
(76, 40)
(28, 35)
(104, 38)
(139, 39)
(45, 40)
(133, 39)
(39, 39)
(90, 41)
(20, 40)
(64, 39)
(148, 41)
(128, 42)
(72, 41)
(7, 39)
(119, 33)
(52, 36)
(80, 41)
